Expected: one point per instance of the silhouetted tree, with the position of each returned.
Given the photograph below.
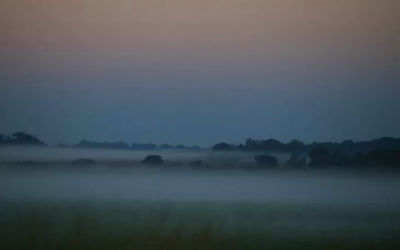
(22, 138)
(149, 146)
(346, 147)
(166, 146)
(251, 145)
(296, 146)
(381, 158)
(272, 145)
(153, 160)
(103, 145)
(320, 157)
(341, 159)
(222, 147)
(296, 162)
(265, 160)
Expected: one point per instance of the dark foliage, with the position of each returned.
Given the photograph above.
(105, 145)
(380, 152)
(21, 138)
(296, 162)
(153, 160)
(265, 160)
(166, 146)
(320, 157)
(382, 158)
(148, 146)
(179, 147)
(134, 146)
(342, 159)
(352, 148)
(223, 147)
(345, 147)
(267, 145)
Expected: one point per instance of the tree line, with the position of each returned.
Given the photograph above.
(379, 152)
(383, 151)
(347, 146)
(23, 138)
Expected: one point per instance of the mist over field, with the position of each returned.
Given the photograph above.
(199, 124)
(48, 173)
(267, 186)
(226, 194)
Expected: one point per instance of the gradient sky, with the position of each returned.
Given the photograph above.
(200, 72)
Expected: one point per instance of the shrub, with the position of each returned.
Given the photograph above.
(153, 160)
(266, 160)
(296, 162)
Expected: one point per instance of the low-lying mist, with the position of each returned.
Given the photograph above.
(22, 153)
(195, 185)
(42, 191)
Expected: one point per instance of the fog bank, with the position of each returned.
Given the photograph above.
(190, 185)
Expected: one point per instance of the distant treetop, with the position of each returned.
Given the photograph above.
(21, 138)
(347, 146)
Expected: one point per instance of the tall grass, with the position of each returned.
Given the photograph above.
(154, 227)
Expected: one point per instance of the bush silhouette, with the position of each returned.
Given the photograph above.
(321, 157)
(266, 160)
(153, 160)
(296, 162)
(222, 147)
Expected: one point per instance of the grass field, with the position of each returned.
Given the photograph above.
(161, 225)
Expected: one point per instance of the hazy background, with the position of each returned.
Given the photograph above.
(199, 72)
(340, 188)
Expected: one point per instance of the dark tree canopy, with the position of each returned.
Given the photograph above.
(153, 160)
(105, 145)
(320, 157)
(382, 152)
(381, 158)
(296, 161)
(166, 146)
(222, 147)
(134, 146)
(265, 160)
(21, 138)
(345, 147)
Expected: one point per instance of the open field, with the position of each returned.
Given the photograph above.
(114, 208)
(166, 225)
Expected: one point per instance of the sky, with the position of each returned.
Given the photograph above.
(200, 71)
